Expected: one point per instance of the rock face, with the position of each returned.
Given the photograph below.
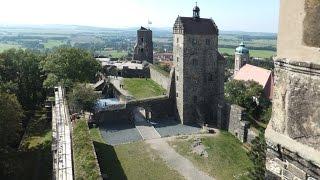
(293, 134)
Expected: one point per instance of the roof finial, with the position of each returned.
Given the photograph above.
(196, 11)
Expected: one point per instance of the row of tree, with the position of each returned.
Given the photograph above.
(26, 80)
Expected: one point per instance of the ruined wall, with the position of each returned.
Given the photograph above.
(159, 78)
(236, 123)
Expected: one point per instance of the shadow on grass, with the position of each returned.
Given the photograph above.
(109, 162)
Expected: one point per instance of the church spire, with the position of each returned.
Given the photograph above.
(196, 11)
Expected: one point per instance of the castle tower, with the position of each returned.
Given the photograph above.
(241, 57)
(293, 133)
(143, 50)
(199, 70)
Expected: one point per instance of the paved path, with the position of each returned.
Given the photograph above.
(146, 130)
(176, 161)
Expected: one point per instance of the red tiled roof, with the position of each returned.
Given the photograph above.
(249, 72)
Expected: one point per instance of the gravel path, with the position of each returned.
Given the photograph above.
(176, 161)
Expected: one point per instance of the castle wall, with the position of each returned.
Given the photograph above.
(159, 78)
(236, 123)
(293, 133)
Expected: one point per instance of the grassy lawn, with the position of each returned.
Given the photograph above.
(141, 88)
(34, 160)
(227, 159)
(85, 164)
(53, 43)
(130, 161)
(253, 53)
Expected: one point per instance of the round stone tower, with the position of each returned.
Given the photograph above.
(241, 57)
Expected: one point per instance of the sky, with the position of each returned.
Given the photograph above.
(229, 15)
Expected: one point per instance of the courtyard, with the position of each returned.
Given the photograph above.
(158, 158)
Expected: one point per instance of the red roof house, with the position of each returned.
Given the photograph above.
(260, 75)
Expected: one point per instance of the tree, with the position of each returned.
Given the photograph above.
(21, 74)
(82, 97)
(10, 120)
(67, 65)
(247, 94)
(258, 156)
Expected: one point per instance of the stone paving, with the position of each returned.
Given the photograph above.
(170, 127)
(145, 129)
(115, 134)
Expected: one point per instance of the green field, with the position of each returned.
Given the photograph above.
(253, 53)
(4, 46)
(226, 157)
(113, 53)
(53, 43)
(141, 88)
(130, 161)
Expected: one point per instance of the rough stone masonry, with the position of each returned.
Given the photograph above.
(293, 134)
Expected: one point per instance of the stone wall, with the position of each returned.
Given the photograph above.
(159, 78)
(284, 163)
(293, 133)
(159, 108)
(298, 27)
(236, 123)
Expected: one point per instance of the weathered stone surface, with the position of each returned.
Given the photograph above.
(311, 32)
(296, 106)
(236, 123)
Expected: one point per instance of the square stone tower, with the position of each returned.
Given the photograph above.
(293, 133)
(143, 50)
(199, 70)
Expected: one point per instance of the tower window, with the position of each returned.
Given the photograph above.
(141, 39)
(177, 94)
(194, 62)
(210, 77)
(195, 99)
(141, 50)
(177, 40)
(207, 41)
(177, 59)
(177, 78)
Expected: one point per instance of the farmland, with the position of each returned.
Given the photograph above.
(119, 43)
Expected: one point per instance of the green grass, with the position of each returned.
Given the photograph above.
(141, 88)
(85, 163)
(130, 161)
(53, 43)
(4, 46)
(253, 53)
(227, 158)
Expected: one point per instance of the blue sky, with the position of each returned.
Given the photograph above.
(241, 15)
